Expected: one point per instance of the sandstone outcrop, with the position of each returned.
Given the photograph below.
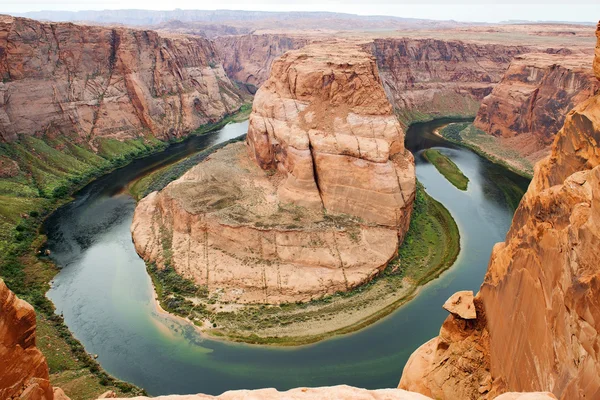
(440, 77)
(89, 82)
(248, 58)
(341, 392)
(530, 103)
(316, 202)
(461, 304)
(23, 368)
(538, 309)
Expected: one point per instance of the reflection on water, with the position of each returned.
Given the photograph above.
(106, 296)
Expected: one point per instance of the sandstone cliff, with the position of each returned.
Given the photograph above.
(23, 370)
(90, 82)
(319, 206)
(248, 58)
(530, 103)
(538, 314)
(440, 77)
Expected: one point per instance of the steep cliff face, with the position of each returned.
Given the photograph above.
(437, 77)
(534, 97)
(540, 294)
(248, 58)
(91, 82)
(318, 207)
(23, 370)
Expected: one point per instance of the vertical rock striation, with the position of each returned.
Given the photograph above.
(248, 58)
(530, 103)
(89, 82)
(23, 368)
(430, 77)
(540, 314)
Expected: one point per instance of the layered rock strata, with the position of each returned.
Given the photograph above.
(248, 58)
(23, 368)
(89, 82)
(319, 205)
(440, 77)
(530, 103)
(538, 314)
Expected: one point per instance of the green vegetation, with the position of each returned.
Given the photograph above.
(240, 115)
(447, 168)
(37, 175)
(431, 245)
(442, 105)
(487, 146)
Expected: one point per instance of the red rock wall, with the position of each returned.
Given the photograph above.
(247, 59)
(23, 368)
(89, 82)
(437, 77)
(540, 300)
(534, 97)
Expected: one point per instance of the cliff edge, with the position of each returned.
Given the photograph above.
(538, 314)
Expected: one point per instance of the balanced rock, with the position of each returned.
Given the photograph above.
(461, 304)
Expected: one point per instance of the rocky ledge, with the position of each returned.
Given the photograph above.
(537, 313)
(321, 203)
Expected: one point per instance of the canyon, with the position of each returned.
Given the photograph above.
(529, 105)
(319, 197)
(315, 203)
(94, 82)
(536, 326)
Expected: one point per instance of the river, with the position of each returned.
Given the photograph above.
(106, 297)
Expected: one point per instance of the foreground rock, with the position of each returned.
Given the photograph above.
(23, 370)
(538, 313)
(320, 205)
(530, 103)
(88, 82)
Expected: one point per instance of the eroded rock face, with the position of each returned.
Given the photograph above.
(323, 120)
(461, 304)
(597, 58)
(88, 82)
(541, 293)
(23, 368)
(248, 58)
(316, 202)
(533, 98)
(440, 77)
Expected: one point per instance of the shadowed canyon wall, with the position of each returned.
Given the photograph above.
(530, 103)
(428, 77)
(248, 58)
(89, 82)
(538, 313)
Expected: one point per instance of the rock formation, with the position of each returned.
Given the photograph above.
(248, 58)
(320, 205)
(538, 314)
(89, 82)
(440, 77)
(530, 103)
(23, 370)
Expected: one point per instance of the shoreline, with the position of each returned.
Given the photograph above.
(43, 270)
(330, 316)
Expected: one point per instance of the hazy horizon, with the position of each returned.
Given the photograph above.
(465, 11)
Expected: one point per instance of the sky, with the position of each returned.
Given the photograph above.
(459, 10)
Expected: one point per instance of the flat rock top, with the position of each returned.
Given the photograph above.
(461, 304)
(232, 187)
(545, 60)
